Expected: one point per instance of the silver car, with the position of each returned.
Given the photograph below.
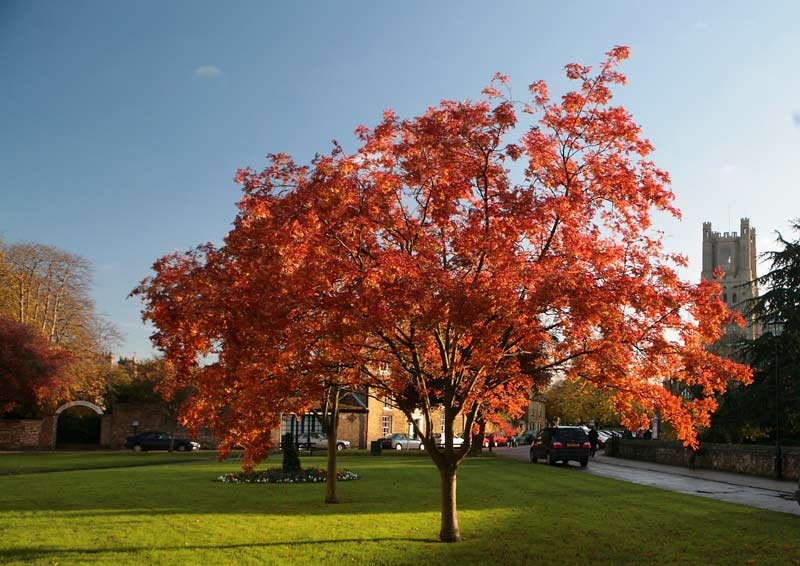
(401, 441)
(319, 440)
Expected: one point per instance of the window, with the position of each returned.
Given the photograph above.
(299, 425)
(386, 425)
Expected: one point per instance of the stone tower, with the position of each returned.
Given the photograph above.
(736, 255)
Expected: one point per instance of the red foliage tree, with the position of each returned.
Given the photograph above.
(31, 369)
(421, 253)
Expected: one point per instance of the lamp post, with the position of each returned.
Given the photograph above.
(777, 329)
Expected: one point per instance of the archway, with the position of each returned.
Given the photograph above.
(80, 427)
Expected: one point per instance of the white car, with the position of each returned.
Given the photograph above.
(457, 440)
(319, 440)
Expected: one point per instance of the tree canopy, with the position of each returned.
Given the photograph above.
(470, 254)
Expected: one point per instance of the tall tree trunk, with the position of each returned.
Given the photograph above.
(332, 412)
(331, 495)
(449, 531)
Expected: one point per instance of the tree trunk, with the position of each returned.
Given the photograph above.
(331, 411)
(449, 531)
(330, 483)
(477, 440)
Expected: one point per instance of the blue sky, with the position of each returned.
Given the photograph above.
(122, 123)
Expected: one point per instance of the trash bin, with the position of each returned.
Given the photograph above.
(375, 447)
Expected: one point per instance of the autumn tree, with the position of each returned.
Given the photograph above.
(467, 252)
(48, 289)
(578, 401)
(31, 370)
(233, 327)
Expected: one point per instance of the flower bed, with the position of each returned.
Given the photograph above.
(279, 475)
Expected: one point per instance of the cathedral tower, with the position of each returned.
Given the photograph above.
(736, 255)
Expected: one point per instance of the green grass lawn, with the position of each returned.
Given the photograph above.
(158, 508)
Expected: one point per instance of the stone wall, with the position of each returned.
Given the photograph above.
(743, 459)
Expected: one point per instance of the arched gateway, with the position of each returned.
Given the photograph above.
(71, 404)
(88, 431)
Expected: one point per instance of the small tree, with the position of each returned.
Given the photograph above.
(291, 456)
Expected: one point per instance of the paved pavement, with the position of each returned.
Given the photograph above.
(758, 492)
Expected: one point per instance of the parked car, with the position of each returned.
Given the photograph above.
(458, 440)
(319, 440)
(154, 440)
(496, 438)
(401, 441)
(561, 444)
(603, 436)
(525, 438)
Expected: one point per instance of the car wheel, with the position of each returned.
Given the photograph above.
(137, 447)
(398, 447)
(552, 461)
(340, 447)
(584, 462)
(181, 448)
(534, 459)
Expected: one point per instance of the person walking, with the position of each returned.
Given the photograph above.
(593, 436)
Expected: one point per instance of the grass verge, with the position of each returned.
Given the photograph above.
(510, 513)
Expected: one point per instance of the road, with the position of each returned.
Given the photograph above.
(763, 493)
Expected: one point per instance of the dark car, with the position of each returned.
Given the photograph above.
(561, 444)
(153, 440)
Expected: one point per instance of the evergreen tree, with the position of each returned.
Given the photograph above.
(768, 409)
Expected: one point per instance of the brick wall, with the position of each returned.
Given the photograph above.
(353, 427)
(149, 417)
(20, 435)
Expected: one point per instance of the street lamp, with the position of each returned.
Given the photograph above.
(777, 328)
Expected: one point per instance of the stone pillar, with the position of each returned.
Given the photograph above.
(47, 434)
